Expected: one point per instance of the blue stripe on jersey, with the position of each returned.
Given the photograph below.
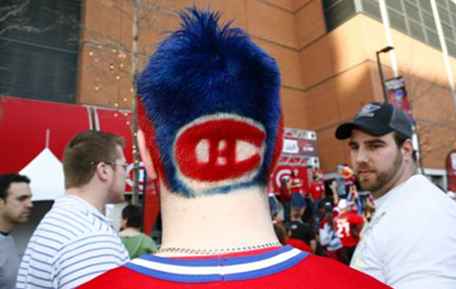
(233, 260)
(218, 263)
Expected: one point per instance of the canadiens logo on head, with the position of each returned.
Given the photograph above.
(209, 107)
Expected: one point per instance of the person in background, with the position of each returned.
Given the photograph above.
(355, 199)
(136, 242)
(298, 197)
(15, 208)
(348, 225)
(327, 233)
(317, 188)
(302, 236)
(409, 243)
(339, 183)
(75, 241)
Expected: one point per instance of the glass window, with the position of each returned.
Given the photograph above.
(395, 4)
(432, 39)
(442, 3)
(338, 13)
(372, 8)
(42, 64)
(451, 48)
(426, 5)
(416, 30)
(452, 7)
(447, 31)
(329, 3)
(412, 11)
(428, 20)
(444, 15)
(397, 20)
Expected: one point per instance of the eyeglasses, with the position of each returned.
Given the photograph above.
(124, 165)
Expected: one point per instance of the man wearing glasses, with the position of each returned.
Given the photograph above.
(75, 241)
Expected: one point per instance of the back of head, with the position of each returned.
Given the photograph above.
(84, 152)
(209, 108)
(133, 215)
(301, 231)
(7, 179)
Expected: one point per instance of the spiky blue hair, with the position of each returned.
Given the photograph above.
(206, 69)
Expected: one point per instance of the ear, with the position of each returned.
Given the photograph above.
(102, 172)
(145, 155)
(407, 149)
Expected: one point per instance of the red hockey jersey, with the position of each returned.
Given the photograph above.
(279, 268)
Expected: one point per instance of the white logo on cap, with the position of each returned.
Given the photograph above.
(368, 110)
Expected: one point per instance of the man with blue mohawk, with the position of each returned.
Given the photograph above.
(211, 128)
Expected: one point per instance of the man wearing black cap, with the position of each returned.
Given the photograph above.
(408, 243)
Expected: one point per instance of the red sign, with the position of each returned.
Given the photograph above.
(283, 174)
(29, 126)
(299, 153)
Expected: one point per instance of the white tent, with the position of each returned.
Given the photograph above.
(46, 174)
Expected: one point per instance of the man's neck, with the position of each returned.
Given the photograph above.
(402, 177)
(224, 221)
(91, 195)
(5, 226)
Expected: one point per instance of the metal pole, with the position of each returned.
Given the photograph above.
(382, 78)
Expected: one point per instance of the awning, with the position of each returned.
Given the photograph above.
(46, 173)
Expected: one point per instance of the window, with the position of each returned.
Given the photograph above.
(413, 17)
(41, 64)
(337, 12)
(372, 8)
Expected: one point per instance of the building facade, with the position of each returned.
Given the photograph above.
(326, 51)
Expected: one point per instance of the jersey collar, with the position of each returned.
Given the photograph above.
(217, 268)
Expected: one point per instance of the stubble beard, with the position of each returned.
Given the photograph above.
(383, 181)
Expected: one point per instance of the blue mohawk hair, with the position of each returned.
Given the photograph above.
(206, 92)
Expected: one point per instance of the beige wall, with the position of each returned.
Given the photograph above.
(344, 76)
(326, 77)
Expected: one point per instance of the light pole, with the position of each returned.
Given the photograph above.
(380, 69)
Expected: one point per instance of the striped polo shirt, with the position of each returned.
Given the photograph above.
(72, 244)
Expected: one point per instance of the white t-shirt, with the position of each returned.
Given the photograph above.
(410, 242)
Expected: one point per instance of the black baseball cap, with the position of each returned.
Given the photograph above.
(377, 119)
(301, 231)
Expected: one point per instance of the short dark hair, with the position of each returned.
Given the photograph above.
(7, 179)
(84, 152)
(399, 139)
(134, 216)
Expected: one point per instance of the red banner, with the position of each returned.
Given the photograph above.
(397, 94)
(299, 154)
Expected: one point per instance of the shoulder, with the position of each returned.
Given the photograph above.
(122, 277)
(342, 276)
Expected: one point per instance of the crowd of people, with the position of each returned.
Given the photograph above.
(210, 128)
(326, 217)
